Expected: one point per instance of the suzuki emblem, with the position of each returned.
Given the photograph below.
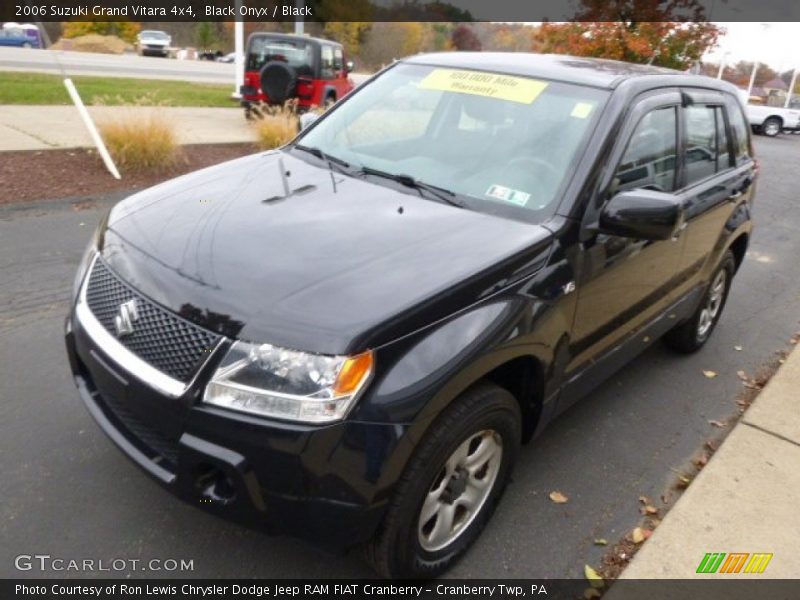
(127, 314)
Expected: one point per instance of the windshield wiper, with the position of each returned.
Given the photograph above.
(440, 193)
(331, 160)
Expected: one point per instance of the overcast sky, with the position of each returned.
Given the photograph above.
(777, 44)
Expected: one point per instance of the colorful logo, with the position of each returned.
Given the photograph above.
(735, 562)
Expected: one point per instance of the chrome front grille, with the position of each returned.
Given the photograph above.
(159, 337)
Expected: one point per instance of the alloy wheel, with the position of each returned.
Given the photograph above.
(711, 310)
(771, 128)
(460, 490)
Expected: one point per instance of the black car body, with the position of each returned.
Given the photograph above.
(289, 248)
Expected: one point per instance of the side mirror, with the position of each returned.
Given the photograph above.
(307, 119)
(349, 66)
(642, 214)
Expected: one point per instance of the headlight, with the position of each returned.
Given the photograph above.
(285, 384)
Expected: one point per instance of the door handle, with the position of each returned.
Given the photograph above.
(735, 196)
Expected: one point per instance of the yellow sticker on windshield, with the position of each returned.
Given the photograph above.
(491, 85)
(581, 110)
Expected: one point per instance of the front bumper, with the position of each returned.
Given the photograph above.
(319, 483)
(154, 50)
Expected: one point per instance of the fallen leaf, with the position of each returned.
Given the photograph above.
(593, 577)
(683, 481)
(742, 375)
(711, 446)
(637, 535)
(590, 593)
(737, 348)
(717, 424)
(665, 498)
(558, 497)
(651, 510)
(646, 338)
(647, 533)
(701, 461)
(644, 500)
(601, 542)
(710, 374)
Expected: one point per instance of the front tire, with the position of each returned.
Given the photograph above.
(450, 487)
(692, 335)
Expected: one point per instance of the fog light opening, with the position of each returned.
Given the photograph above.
(214, 485)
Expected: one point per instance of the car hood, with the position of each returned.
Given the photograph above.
(336, 265)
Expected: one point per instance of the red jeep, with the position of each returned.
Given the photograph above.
(280, 67)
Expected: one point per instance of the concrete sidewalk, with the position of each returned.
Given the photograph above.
(744, 501)
(48, 127)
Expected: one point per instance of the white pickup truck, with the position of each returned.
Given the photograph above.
(771, 120)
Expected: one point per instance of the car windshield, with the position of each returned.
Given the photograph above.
(296, 53)
(503, 144)
(158, 35)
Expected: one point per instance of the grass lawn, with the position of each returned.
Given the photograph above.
(40, 88)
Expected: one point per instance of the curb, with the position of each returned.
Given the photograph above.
(742, 502)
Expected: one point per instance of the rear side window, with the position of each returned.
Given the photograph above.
(701, 143)
(706, 142)
(338, 59)
(741, 133)
(649, 160)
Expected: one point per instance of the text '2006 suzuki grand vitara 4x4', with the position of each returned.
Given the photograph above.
(348, 338)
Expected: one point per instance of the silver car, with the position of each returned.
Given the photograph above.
(151, 42)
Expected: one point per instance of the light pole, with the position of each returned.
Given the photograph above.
(299, 22)
(755, 66)
(238, 52)
(722, 63)
(791, 88)
(752, 80)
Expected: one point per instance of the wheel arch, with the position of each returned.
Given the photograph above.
(523, 378)
(329, 91)
(739, 248)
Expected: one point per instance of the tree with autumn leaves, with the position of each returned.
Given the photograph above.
(668, 33)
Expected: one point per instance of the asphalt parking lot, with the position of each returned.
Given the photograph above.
(68, 492)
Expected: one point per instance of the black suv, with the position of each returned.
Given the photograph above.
(347, 339)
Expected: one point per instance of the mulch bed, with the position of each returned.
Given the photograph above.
(78, 172)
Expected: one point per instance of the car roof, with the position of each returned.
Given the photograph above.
(293, 37)
(595, 72)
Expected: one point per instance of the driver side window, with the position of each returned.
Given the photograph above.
(650, 159)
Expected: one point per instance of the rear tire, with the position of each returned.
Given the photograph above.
(450, 487)
(771, 127)
(692, 335)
